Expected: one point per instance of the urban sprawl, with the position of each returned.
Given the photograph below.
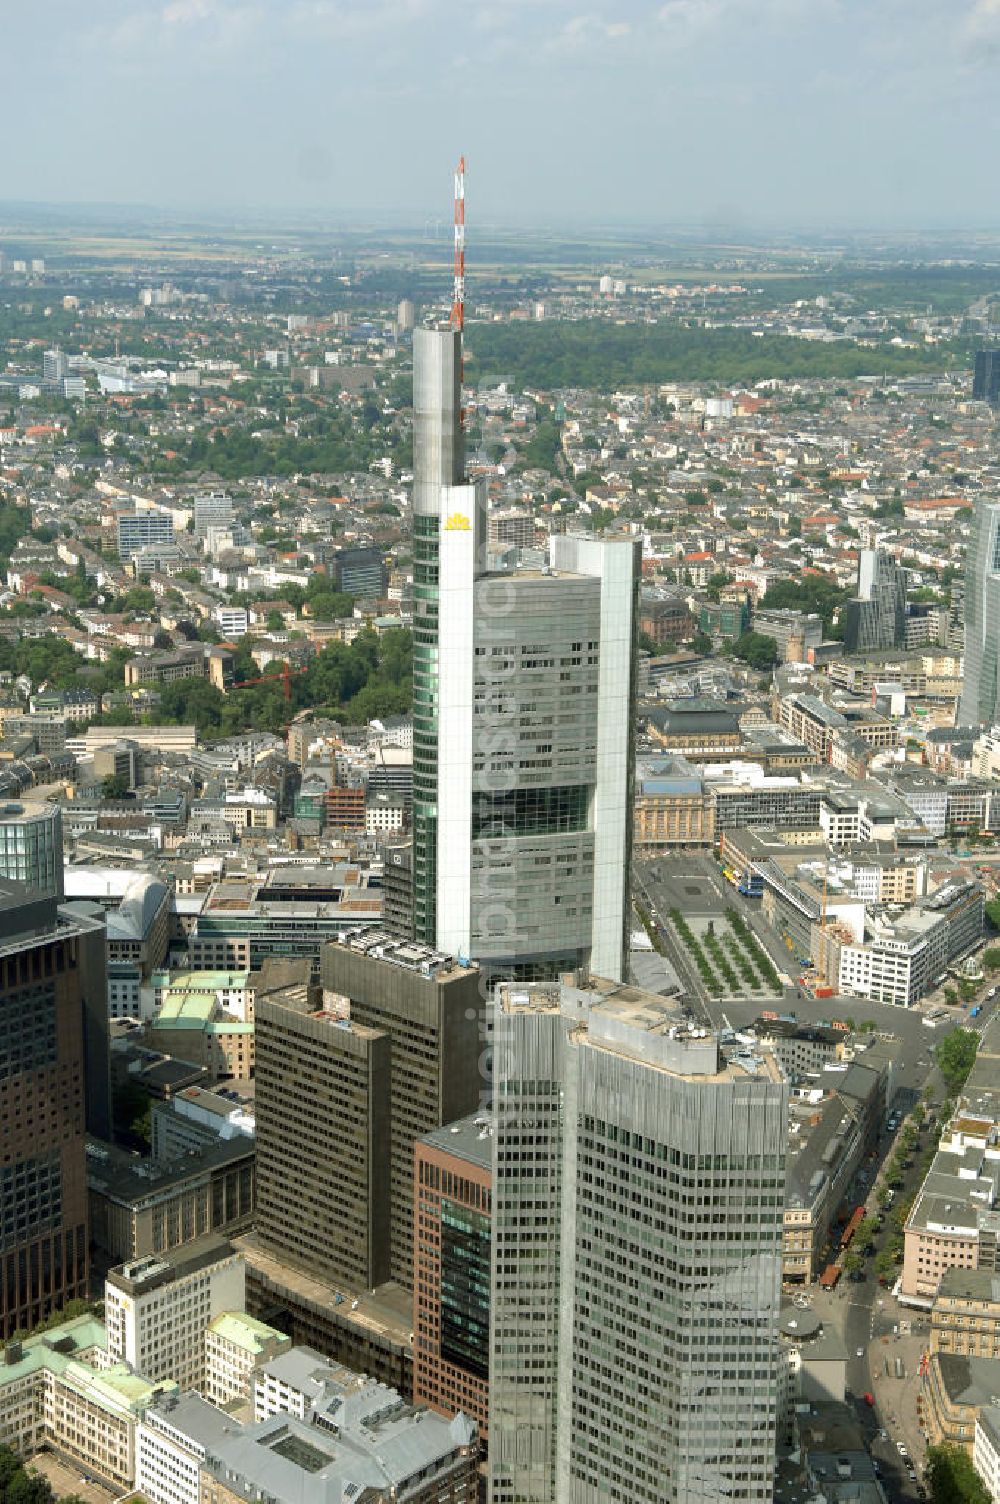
(498, 876)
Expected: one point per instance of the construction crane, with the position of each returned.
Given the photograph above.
(285, 677)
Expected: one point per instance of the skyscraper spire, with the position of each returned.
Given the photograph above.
(458, 302)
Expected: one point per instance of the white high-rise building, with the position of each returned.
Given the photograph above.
(212, 509)
(524, 684)
(980, 702)
(638, 1187)
(157, 1309)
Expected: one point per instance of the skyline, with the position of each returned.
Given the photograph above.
(343, 108)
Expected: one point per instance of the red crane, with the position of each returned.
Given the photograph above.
(285, 676)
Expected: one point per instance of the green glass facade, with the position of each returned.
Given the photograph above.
(426, 549)
(465, 1288)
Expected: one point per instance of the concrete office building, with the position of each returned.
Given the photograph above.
(875, 620)
(636, 1268)
(452, 1206)
(43, 1187)
(55, 367)
(522, 723)
(157, 1309)
(323, 1120)
(139, 1209)
(981, 690)
(139, 529)
(212, 509)
(427, 1009)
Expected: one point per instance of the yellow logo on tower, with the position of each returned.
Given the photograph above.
(457, 523)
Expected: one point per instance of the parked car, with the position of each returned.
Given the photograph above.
(901, 1449)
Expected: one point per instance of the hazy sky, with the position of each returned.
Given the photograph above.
(763, 111)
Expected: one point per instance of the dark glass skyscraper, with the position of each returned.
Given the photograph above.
(875, 620)
(986, 377)
(43, 1174)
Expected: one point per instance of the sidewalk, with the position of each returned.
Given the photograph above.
(896, 1399)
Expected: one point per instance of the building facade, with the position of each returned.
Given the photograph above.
(981, 687)
(524, 685)
(428, 1009)
(44, 1232)
(875, 620)
(323, 1127)
(157, 1310)
(636, 1268)
(986, 377)
(31, 846)
(137, 530)
(452, 1209)
(965, 1317)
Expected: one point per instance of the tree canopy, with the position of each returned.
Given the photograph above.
(956, 1055)
(594, 353)
(809, 592)
(951, 1478)
(757, 649)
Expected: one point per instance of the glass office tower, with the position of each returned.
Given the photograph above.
(638, 1192)
(978, 705)
(523, 717)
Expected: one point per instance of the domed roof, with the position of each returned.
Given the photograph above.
(139, 906)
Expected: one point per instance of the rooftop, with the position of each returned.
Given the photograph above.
(246, 1332)
(470, 1139)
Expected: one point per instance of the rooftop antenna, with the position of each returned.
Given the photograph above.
(457, 319)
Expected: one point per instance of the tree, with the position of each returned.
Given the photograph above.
(951, 1478)
(956, 1055)
(885, 1264)
(701, 643)
(852, 1261)
(991, 958)
(756, 649)
(115, 786)
(17, 1485)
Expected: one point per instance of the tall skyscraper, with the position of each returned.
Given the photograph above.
(43, 1175)
(875, 620)
(981, 685)
(986, 377)
(637, 1222)
(524, 684)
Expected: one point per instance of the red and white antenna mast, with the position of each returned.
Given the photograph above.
(457, 320)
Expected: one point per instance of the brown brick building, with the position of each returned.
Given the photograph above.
(452, 1213)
